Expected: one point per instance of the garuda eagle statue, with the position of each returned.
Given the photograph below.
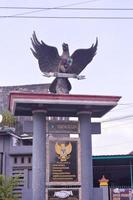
(62, 67)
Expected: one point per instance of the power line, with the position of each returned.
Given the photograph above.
(66, 17)
(125, 104)
(40, 9)
(112, 145)
(118, 125)
(117, 109)
(49, 8)
(64, 7)
(118, 118)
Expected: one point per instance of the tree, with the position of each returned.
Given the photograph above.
(8, 119)
(7, 185)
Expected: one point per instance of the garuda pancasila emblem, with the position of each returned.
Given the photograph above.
(63, 151)
(62, 66)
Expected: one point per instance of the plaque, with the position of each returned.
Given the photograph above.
(121, 193)
(69, 127)
(63, 193)
(63, 161)
(60, 127)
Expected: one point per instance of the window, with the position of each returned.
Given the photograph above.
(15, 160)
(29, 159)
(27, 142)
(22, 159)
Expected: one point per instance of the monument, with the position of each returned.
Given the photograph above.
(62, 169)
(64, 66)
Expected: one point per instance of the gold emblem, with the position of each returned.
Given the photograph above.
(63, 151)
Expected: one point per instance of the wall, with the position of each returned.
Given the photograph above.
(4, 99)
(5, 90)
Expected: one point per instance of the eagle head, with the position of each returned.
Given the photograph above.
(65, 47)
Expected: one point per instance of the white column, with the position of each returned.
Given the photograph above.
(39, 155)
(86, 156)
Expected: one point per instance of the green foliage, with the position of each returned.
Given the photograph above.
(7, 185)
(8, 119)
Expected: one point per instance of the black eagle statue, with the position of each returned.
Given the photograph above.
(62, 67)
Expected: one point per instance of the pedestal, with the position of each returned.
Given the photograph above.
(23, 104)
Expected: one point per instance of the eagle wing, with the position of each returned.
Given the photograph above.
(69, 148)
(57, 148)
(81, 58)
(47, 56)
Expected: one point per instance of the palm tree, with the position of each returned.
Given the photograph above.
(7, 185)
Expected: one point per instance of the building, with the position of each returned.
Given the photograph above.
(4, 100)
(117, 168)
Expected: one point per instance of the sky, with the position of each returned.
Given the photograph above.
(110, 72)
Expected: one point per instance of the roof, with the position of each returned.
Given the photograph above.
(8, 131)
(112, 160)
(103, 157)
(66, 105)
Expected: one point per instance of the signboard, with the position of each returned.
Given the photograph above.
(63, 193)
(63, 161)
(62, 127)
(121, 193)
(69, 127)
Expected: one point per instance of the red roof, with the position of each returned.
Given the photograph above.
(23, 103)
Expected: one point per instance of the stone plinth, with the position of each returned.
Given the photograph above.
(41, 105)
